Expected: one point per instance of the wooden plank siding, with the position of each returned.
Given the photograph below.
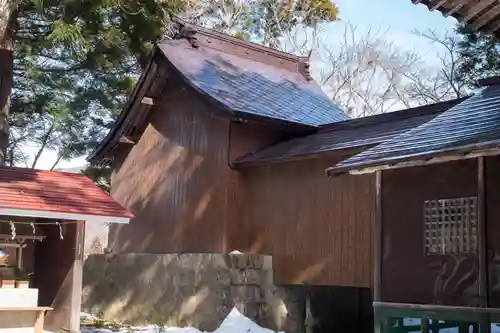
(408, 274)
(174, 181)
(245, 139)
(178, 181)
(319, 231)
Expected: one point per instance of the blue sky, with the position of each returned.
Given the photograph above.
(397, 17)
(400, 17)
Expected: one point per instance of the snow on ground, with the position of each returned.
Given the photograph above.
(235, 322)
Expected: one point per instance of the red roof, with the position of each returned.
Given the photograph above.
(58, 195)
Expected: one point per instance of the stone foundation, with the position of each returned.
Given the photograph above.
(195, 290)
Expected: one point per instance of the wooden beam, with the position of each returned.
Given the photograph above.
(481, 223)
(437, 4)
(377, 251)
(475, 10)
(20, 238)
(485, 325)
(24, 309)
(77, 281)
(38, 328)
(453, 10)
(127, 140)
(13, 245)
(433, 307)
(148, 101)
(426, 161)
(493, 27)
(486, 17)
(416, 2)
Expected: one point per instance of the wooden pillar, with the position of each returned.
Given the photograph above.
(485, 326)
(38, 328)
(76, 292)
(377, 251)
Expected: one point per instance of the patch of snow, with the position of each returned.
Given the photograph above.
(87, 316)
(235, 322)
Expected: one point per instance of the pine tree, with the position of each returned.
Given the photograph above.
(101, 176)
(478, 54)
(77, 61)
(7, 27)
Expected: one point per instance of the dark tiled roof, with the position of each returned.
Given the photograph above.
(349, 134)
(480, 15)
(248, 87)
(470, 125)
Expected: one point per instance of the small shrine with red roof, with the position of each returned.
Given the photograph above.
(42, 224)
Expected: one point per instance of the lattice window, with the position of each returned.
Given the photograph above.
(450, 226)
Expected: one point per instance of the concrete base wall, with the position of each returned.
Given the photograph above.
(195, 290)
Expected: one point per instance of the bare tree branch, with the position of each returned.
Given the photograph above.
(367, 74)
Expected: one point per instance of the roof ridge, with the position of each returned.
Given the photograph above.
(240, 42)
(489, 81)
(392, 116)
(34, 170)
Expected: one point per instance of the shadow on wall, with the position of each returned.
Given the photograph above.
(173, 181)
(196, 290)
(96, 238)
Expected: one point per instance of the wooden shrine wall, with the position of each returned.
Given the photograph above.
(408, 274)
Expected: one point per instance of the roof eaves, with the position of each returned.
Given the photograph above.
(57, 195)
(65, 216)
(457, 11)
(486, 148)
(139, 91)
(244, 116)
(353, 124)
(394, 115)
(489, 81)
(241, 163)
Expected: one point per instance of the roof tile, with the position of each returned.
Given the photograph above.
(56, 192)
(355, 133)
(251, 87)
(470, 124)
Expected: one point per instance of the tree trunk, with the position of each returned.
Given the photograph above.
(7, 26)
(45, 141)
(59, 157)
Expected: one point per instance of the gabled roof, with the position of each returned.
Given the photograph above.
(249, 87)
(472, 125)
(355, 133)
(481, 15)
(242, 80)
(56, 195)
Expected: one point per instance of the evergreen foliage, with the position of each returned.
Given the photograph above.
(76, 62)
(478, 54)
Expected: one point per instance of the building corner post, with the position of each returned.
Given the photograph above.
(485, 326)
(377, 251)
